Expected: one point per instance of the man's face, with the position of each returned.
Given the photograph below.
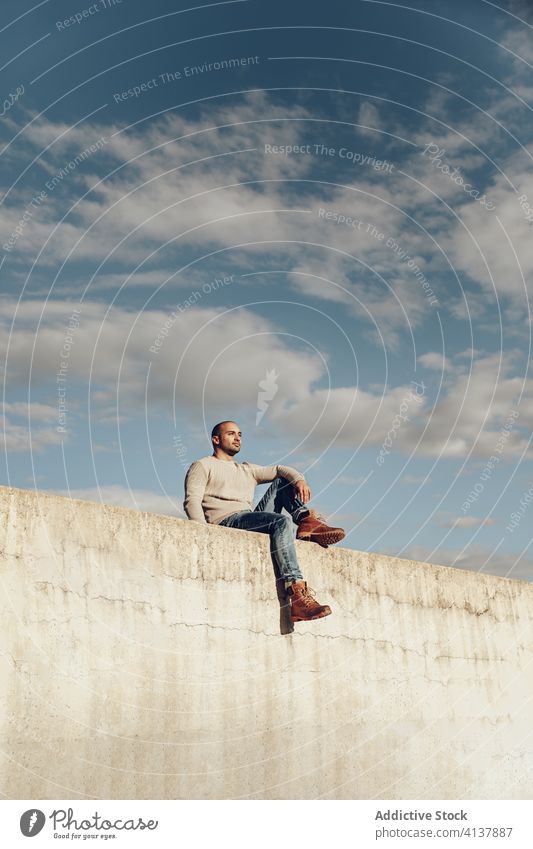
(230, 438)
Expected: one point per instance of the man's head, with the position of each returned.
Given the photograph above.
(226, 438)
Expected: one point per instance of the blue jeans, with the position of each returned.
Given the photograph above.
(267, 518)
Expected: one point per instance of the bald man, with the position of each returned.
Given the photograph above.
(220, 491)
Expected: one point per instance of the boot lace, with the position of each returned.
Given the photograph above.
(308, 597)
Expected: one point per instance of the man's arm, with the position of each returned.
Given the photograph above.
(266, 474)
(195, 483)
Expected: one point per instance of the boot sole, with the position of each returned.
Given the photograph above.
(325, 539)
(311, 618)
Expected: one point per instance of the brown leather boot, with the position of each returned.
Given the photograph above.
(303, 606)
(315, 529)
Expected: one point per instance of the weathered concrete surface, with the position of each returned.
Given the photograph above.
(141, 657)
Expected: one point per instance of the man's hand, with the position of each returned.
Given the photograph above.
(302, 490)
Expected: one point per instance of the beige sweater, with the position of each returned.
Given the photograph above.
(216, 488)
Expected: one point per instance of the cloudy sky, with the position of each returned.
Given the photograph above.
(316, 219)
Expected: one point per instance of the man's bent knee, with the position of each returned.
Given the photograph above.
(283, 521)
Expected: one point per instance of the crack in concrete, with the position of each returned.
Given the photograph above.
(87, 598)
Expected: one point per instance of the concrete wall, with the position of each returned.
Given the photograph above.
(143, 657)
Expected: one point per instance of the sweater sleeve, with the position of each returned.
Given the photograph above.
(266, 474)
(195, 483)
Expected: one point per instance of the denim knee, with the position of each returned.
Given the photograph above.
(283, 522)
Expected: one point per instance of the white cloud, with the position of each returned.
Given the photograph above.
(465, 522)
(391, 308)
(36, 430)
(23, 437)
(369, 118)
(148, 202)
(416, 479)
(521, 8)
(32, 410)
(223, 356)
(474, 558)
(350, 480)
(518, 39)
(154, 203)
(433, 360)
(159, 193)
(467, 416)
(135, 499)
(212, 359)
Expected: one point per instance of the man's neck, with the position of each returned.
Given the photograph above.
(223, 456)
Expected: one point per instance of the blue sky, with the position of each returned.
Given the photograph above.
(317, 212)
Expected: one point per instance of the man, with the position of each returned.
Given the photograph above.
(218, 490)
